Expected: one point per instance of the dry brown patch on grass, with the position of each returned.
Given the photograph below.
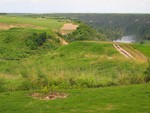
(51, 96)
(4, 26)
(109, 107)
(8, 76)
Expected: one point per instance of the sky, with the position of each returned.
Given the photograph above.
(75, 6)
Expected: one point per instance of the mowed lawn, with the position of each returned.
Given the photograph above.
(122, 99)
(42, 22)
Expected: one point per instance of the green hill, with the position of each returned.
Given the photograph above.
(29, 52)
(33, 60)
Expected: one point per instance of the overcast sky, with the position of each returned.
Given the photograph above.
(75, 6)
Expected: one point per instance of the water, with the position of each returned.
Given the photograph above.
(127, 39)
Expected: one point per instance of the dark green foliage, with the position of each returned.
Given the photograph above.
(2, 85)
(8, 39)
(84, 32)
(35, 40)
(114, 26)
(147, 73)
(119, 24)
(3, 13)
(142, 42)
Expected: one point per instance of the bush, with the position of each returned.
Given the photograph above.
(147, 73)
(2, 85)
(35, 40)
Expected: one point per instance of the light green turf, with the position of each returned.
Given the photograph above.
(144, 48)
(43, 22)
(123, 99)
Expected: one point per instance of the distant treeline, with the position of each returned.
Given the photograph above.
(116, 25)
(112, 25)
(119, 24)
(3, 13)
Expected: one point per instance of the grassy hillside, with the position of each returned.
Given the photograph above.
(113, 100)
(26, 63)
(79, 64)
(32, 60)
(16, 31)
(144, 48)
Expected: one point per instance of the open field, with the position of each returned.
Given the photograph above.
(42, 22)
(93, 74)
(122, 99)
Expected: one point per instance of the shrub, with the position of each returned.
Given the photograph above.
(2, 85)
(147, 73)
(35, 40)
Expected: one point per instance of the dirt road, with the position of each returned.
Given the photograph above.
(122, 51)
(131, 53)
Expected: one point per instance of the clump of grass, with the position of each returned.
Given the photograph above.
(147, 73)
(2, 85)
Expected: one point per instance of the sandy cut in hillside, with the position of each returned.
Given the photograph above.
(69, 26)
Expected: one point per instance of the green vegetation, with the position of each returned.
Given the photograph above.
(40, 23)
(84, 32)
(117, 25)
(112, 100)
(77, 65)
(147, 73)
(143, 48)
(33, 60)
(113, 26)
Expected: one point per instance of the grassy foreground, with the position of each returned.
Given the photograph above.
(122, 99)
(67, 69)
(79, 64)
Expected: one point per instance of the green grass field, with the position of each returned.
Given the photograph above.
(144, 48)
(42, 22)
(94, 74)
(122, 99)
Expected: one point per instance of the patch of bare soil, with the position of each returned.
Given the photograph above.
(4, 26)
(137, 54)
(68, 28)
(50, 96)
(122, 51)
(129, 52)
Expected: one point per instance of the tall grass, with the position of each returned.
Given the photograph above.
(83, 67)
